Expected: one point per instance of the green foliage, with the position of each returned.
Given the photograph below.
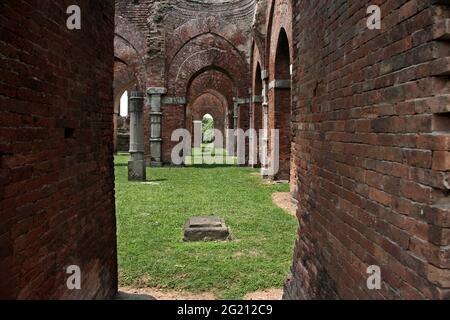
(150, 219)
(208, 129)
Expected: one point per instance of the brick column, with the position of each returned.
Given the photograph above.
(255, 125)
(243, 118)
(265, 115)
(136, 165)
(155, 96)
(235, 113)
(235, 124)
(251, 113)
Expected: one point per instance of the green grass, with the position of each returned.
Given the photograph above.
(150, 220)
(209, 154)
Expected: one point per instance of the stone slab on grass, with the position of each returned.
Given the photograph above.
(206, 229)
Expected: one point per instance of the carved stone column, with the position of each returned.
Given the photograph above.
(136, 165)
(155, 96)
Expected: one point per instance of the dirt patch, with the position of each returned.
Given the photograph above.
(270, 182)
(284, 201)
(160, 294)
(271, 294)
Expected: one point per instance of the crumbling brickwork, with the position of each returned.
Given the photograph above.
(186, 42)
(56, 145)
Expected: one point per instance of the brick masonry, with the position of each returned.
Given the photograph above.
(373, 174)
(365, 131)
(56, 145)
(187, 47)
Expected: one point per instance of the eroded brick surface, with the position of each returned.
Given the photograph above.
(56, 144)
(372, 173)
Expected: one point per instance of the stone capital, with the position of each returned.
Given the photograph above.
(240, 101)
(280, 84)
(174, 100)
(156, 91)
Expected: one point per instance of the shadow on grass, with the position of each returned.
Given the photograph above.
(197, 166)
(121, 165)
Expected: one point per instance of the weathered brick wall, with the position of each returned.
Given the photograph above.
(212, 80)
(173, 118)
(257, 99)
(56, 145)
(371, 114)
(184, 39)
(208, 103)
(279, 48)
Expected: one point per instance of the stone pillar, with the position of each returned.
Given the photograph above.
(265, 115)
(235, 124)
(197, 134)
(155, 96)
(235, 113)
(136, 165)
(251, 111)
(255, 126)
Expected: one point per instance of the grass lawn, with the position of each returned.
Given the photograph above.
(150, 219)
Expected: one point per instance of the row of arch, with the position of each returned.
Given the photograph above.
(207, 64)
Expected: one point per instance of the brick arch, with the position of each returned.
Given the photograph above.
(280, 56)
(212, 80)
(280, 17)
(207, 51)
(197, 27)
(257, 57)
(124, 79)
(212, 102)
(256, 107)
(259, 31)
(129, 48)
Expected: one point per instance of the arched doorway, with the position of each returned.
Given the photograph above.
(281, 113)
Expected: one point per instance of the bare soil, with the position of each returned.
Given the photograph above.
(283, 200)
(271, 294)
(127, 293)
(160, 294)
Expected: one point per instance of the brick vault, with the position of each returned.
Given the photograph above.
(363, 117)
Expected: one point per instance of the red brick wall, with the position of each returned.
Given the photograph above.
(256, 106)
(56, 145)
(173, 119)
(373, 173)
(279, 56)
(209, 103)
(212, 80)
(180, 42)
